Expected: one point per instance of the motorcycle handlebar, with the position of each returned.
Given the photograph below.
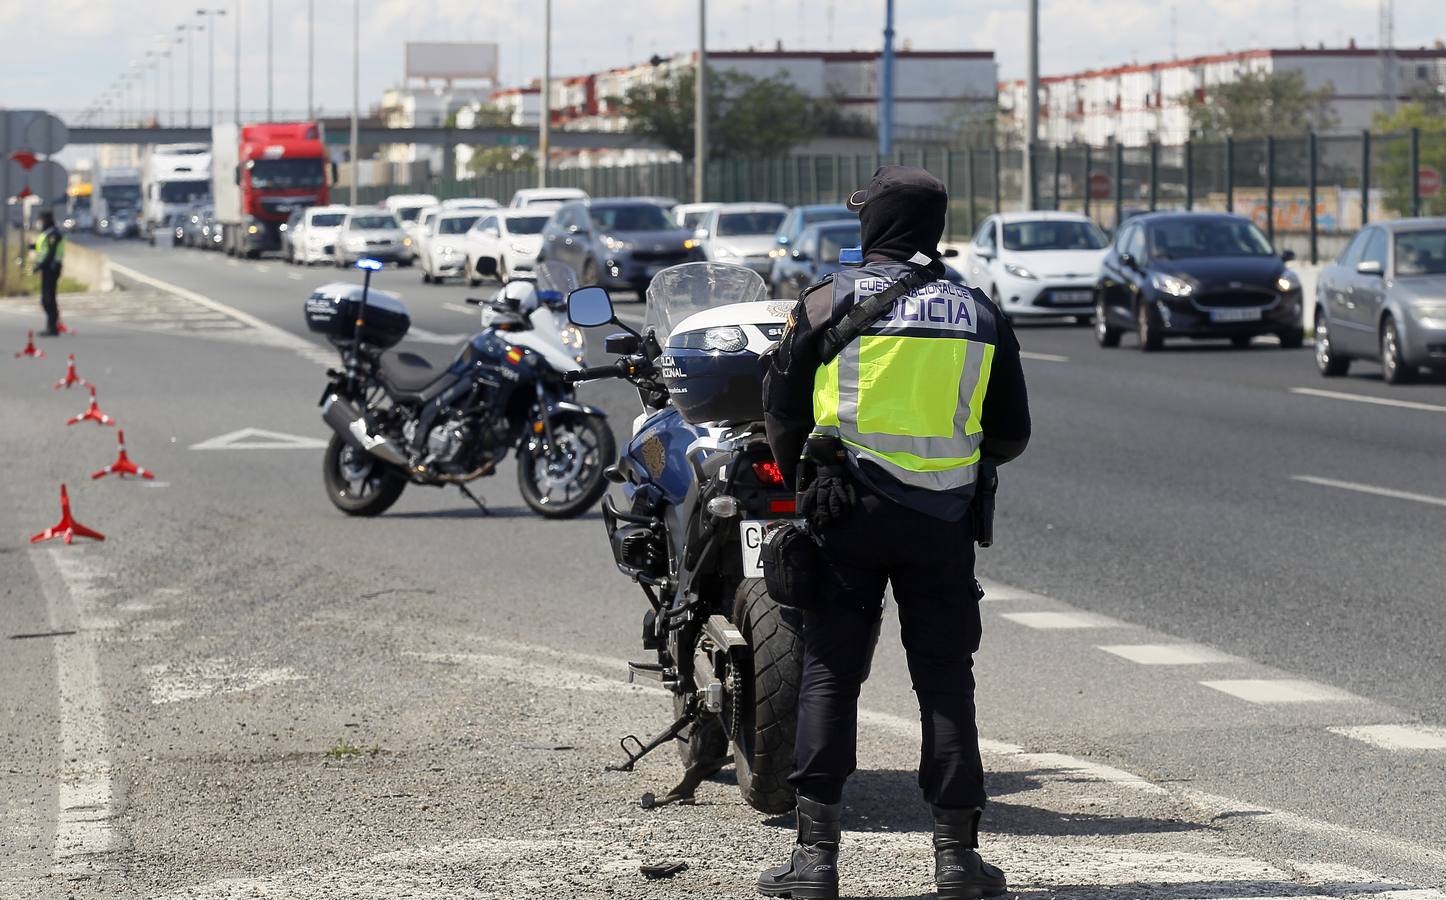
(619, 368)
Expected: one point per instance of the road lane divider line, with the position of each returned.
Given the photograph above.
(1364, 398)
(1169, 654)
(1043, 357)
(1396, 737)
(83, 834)
(1053, 621)
(457, 307)
(271, 335)
(1270, 691)
(1370, 489)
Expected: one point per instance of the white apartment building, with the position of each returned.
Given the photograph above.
(1137, 104)
(423, 107)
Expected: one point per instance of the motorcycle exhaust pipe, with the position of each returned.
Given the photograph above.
(352, 425)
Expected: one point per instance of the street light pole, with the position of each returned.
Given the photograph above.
(209, 15)
(270, 68)
(1031, 109)
(700, 107)
(310, 57)
(886, 85)
(544, 126)
(355, 90)
(237, 112)
(188, 30)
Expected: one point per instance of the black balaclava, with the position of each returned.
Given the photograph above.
(901, 213)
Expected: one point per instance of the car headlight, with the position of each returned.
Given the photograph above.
(356, 242)
(1287, 282)
(1169, 284)
(518, 247)
(691, 244)
(1431, 314)
(723, 252)
(406, 242)
(1018, 271)
(613, 243)
(446, 251)
(283, 226)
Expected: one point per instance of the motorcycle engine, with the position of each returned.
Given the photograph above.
(446, 442)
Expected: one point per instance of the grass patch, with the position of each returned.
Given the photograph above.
(346, 750)
(21, 282)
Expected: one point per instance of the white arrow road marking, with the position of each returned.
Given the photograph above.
(1371, 489)
(1362, 398)
(260, 439)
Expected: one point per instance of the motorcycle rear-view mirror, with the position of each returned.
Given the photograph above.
(589, 307)
(950, 252)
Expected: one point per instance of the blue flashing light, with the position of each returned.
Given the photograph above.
(851, 256)
(371, 265)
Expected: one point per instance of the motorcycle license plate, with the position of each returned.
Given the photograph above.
(1248, 314)
(750, 537)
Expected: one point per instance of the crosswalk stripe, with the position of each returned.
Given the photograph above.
(1280, 690)
(1168, 654)
(1045, 621)
(1396, 737)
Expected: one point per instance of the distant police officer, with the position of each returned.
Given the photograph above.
(49, 258)
(885, 420)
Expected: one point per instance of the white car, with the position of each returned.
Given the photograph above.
(313, 239)
(690, 215)
(408, 209)
(742, 234)
(1038, 263)
(470, 203)
(442, 251)
(545, 198)
(503, 242)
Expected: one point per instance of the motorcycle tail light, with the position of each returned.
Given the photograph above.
(783, 506)
(768, 474)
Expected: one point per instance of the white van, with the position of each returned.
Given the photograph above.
(546, 197)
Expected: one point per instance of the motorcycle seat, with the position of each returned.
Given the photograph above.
(411, 376)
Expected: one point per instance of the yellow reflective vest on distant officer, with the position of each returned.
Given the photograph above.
(42, 246)
(908, 393)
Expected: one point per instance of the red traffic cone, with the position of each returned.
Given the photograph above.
(67, 528)
(62, 328)
(70, 376)
(30, 349)
(123, 465)
(92, 413)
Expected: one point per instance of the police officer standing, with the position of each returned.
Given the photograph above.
(49, 258)
(887, 420)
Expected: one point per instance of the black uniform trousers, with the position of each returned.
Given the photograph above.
(49, 284)
(930, 564)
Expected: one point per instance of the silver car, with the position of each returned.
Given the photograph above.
(1384, 298)
(374, 233)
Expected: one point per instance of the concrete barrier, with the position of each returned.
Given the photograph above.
(90, 267)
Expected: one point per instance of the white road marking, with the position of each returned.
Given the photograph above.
(1169, 654)
(212, 677)
(1396, 737)
(229, 262)
(423, 336)
(1370, 489)
(993, 590)
(1045, 621)
(83, 803)
(1362, 398)
(263, 268)
(533, 674)
(294, 276)
(1280, 690)
(467, 310)
(260, 439)
(1043, 357)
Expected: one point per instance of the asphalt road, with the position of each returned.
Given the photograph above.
(1264, 564)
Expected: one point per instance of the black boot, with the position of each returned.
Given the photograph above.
(812, 871)
(959, 873)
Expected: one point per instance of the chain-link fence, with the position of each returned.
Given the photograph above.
(1308, 192)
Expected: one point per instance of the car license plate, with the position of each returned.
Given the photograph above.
(1066, 298)
(1249, 314)
(750, 537)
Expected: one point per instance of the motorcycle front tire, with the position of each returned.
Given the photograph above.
(592, 490)
(763, 746)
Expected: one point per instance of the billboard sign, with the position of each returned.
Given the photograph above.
(451, 61)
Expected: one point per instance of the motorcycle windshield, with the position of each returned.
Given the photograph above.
(555, 281)
(680, 291)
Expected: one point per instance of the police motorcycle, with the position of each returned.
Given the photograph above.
(399, 420)
(701, 487)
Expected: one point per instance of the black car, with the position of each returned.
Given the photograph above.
(616, 243)
(815, 254)
(799, 218)
(1196, 275)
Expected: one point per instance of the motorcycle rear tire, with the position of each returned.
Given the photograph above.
(763, 748)
(592, 491)
(373, 503)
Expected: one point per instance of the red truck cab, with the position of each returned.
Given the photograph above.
(279, 167)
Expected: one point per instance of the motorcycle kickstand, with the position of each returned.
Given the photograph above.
(481, 504)
(667, 734)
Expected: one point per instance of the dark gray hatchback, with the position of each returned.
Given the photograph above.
(616, 243)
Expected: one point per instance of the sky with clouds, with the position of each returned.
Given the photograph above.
(62, 53)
